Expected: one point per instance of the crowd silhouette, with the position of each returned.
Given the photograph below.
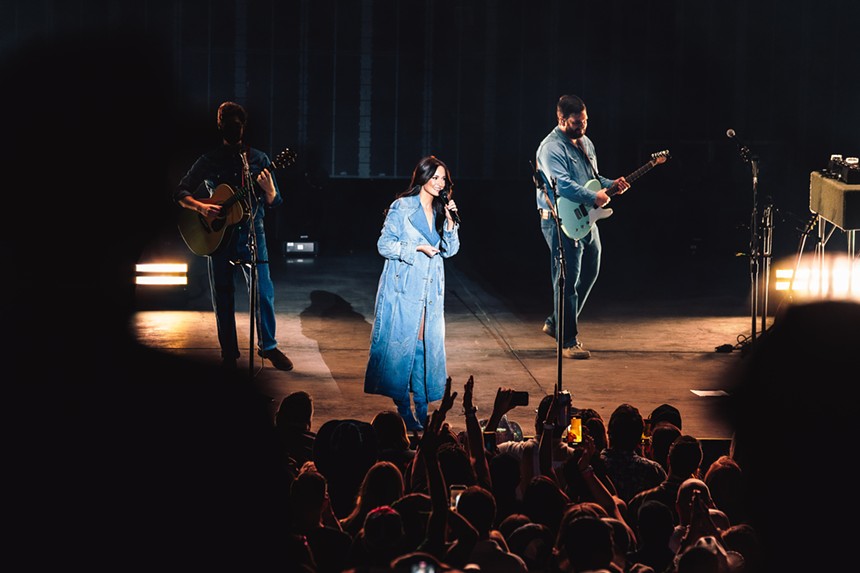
(614, 502)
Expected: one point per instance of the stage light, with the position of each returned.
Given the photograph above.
(832, 277)
(161, 274)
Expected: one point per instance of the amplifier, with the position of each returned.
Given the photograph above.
(835, 201)
(292, 248)
(846, 170)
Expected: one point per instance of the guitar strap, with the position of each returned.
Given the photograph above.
(580, 146)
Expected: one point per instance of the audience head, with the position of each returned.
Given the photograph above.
(382, 485)
(662, 436)
(383, 535)
(534, 543)
(308, 491)
(654, 524)
(414, 509)
(478, 506)
(455, 464)
(391, 432)
(512, 522)
(544, 502)
(725, 480)
(344, 450)
(597, 430)
(684, 498)
(707, 555)
(505, 472)
(625, 428)
(585, 543)
(685, 456)
(621, 541)
(743, 539)
(665, 413)
(296, 410)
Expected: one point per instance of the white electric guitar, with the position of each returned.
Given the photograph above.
(577, 219)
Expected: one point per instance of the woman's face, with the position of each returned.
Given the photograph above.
(437, 182)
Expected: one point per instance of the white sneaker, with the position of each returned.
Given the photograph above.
(577, 352)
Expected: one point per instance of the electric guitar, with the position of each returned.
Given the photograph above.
(578, 219)
(204, 235)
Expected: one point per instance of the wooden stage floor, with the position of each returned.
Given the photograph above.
(646, 350)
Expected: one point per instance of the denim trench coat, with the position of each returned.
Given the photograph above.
(411, 284)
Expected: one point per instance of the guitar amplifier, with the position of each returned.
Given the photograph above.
(299, 248)
(835, 201)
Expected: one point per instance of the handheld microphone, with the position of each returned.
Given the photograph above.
(443, 194)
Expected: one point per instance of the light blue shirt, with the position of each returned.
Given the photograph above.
(568, 168)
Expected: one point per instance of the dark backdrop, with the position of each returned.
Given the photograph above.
(361, 89)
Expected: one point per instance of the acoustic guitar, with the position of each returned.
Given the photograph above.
(204, 234)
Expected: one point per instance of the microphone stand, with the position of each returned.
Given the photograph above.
(760, 247)
(253, 295)
(540, 182)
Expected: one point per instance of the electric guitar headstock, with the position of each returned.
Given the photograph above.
(660, 157)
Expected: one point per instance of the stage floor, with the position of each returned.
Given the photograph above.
(646, 350)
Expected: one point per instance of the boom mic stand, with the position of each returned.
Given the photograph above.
(760, 244)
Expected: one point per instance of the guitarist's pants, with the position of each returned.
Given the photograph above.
(582, 258)
(222, 273)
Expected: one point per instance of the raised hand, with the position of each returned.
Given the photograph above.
(502, 404)
(447, 398)
(467, 393)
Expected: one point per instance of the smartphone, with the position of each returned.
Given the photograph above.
(454, 492)
(519, 399)
(645, 441)
(490, 441)
(423, 567)
(574, 431)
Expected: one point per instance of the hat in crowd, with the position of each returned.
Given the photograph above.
(666, 413)
(345, 445)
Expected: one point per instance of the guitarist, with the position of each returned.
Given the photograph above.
(567, 158)
(231, 164)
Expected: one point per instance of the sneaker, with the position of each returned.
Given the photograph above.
(278, 359)
(548, 330)
(577, 352)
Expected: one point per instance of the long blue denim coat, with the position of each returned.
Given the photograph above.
(411, 284)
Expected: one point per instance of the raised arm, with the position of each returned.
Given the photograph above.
(475, 437)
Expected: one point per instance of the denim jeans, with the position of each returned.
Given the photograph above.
(582, 260)
(222, 271)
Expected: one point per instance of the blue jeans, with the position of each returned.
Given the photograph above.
(582, 259)
(222, 273)
(416, 419)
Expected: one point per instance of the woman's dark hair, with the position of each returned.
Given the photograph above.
(422, 173)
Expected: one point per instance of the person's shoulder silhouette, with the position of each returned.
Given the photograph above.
(122, 452)
(791, 410)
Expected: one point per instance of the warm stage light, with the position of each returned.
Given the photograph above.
(164, 274)
(832, 277)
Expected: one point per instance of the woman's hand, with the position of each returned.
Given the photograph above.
(428, 250)
(450, 208)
